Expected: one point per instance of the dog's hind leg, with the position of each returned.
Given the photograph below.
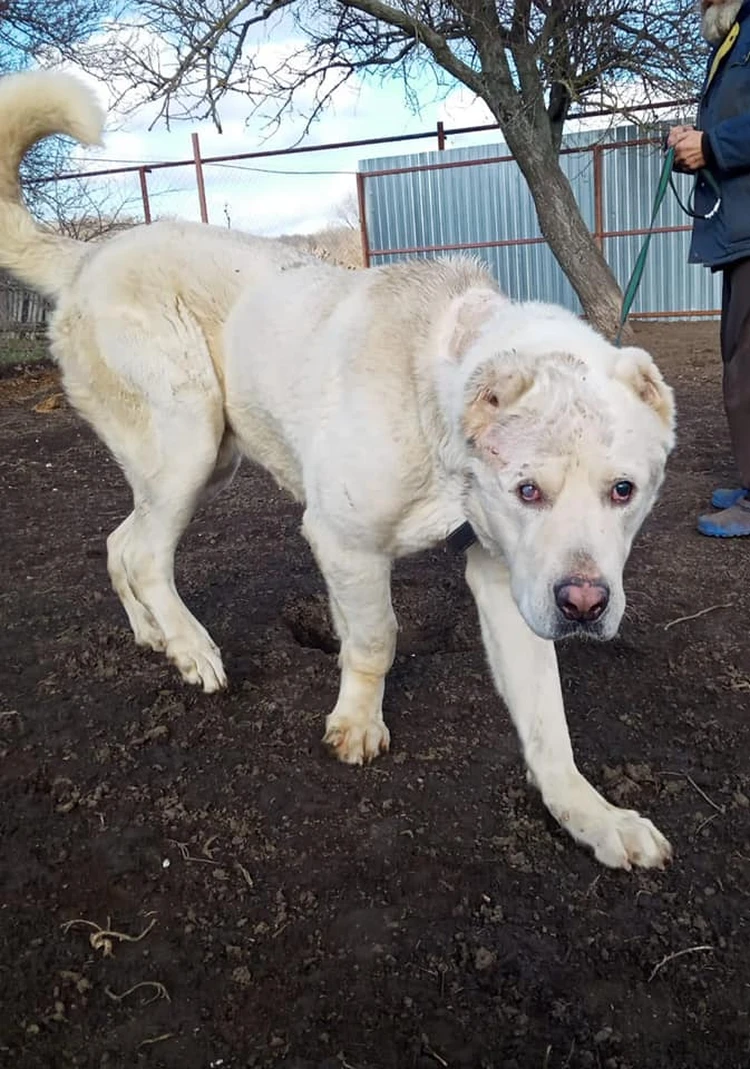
(145, 628)
(359, 587)
(165, 504)
(155, 401)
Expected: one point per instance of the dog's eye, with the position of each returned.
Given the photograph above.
(622, 492)
(529, 493)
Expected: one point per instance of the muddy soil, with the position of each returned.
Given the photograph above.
(268, 907)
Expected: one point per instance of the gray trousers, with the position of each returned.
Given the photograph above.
(735, 354)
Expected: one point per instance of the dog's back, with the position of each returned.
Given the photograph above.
(144, 275)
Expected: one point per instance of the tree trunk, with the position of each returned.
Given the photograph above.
(564, 230)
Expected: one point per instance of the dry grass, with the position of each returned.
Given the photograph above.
(335, 244)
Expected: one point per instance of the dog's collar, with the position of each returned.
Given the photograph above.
(459, 540)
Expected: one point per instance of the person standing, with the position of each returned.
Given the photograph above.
(721, 237)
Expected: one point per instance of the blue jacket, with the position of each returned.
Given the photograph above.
(724, 118)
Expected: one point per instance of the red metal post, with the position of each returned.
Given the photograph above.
(142, 172)
(462, 246)
(598, 197)
(199, 178)
(441, 136)
(364, 236)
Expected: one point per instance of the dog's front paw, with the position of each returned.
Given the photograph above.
(619, 838)
(622, 838)
(356, 740)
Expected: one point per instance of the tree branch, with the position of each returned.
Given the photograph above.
(424, 34)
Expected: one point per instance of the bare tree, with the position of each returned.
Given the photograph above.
(30, 28)
(346, 213)
(80, 210)
(529, 60)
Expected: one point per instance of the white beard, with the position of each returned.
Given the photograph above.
(718, 20)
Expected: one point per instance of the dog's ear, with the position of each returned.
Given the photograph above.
(465, 317)
(491, 392)
(637, 370)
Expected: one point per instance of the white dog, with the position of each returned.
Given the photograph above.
(401, 405)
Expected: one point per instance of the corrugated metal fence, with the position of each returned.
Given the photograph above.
(476, 199)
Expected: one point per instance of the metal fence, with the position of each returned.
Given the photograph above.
(423, 204)
(476, 200)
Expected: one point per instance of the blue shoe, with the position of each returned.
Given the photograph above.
(733, 522)
(724, 499)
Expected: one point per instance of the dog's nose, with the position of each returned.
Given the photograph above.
(581, 600)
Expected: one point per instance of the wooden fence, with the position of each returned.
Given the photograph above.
(22, 312)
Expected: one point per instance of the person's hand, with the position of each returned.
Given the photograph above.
(676, 133)
(688, 150)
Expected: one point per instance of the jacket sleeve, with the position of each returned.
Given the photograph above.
(729, 145)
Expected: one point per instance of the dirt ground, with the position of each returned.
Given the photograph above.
(282, 910)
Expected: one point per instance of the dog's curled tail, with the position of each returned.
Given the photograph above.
(33, 105)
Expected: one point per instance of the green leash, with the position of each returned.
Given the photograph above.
(637, 274)
(665, 181)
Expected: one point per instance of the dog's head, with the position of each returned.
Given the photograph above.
(565, 439)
